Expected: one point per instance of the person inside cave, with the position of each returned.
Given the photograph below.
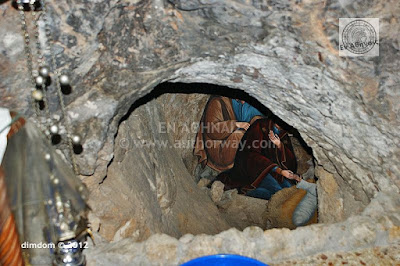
(265, 161)
(222, 126)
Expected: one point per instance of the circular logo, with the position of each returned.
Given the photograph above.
(359, 37)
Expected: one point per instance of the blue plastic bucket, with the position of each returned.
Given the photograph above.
(224, 260)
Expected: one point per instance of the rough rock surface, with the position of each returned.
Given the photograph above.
(241, 211)
(203, 182)
(282, 52)
(182, 114)
(369, 256)
(217, 191)
(238, 210)
(346, 109)
(148, 188)
(377, 226)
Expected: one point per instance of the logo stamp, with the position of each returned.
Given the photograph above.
(358, 36)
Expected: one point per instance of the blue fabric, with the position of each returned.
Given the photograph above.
(260, 193)
(274, 169)
(306, 208)
(244, 112)
(268, 187)
(275, 130)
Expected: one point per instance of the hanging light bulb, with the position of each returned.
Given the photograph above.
(54, 129)
(64, 80)
(39, 81)
(34, 3)
(76, 139)
(37, 95)
(44, 72)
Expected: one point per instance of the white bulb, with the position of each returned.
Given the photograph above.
(44, 72)
(39, 80)
(37, 95)
(64, 80)
(76, 139)
(54, 129)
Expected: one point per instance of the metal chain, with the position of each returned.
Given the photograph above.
(52, 66)
(28, 53)
(36, 32)
(40, 56)
(61, 254)
(58, 86)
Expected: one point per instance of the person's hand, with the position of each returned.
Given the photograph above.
(275, 139)
(296, 177)
(288, 174)
(243, 125)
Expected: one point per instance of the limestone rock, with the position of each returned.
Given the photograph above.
(182, 115)
(241, 211)
(373, 235)
(310, 173)
(203, 182)
(117, 51)
(227, 198)
(217, 190)
(148, 188)
(374, 256)
(284, 53)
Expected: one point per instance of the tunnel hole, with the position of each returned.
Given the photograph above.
(164, 187)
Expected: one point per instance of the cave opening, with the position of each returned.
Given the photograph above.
(155, 183)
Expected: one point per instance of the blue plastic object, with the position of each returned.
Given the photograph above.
(224, 260)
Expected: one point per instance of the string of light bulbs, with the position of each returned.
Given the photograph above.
(43, 75)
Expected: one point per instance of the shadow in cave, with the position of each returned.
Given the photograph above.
(202, 88)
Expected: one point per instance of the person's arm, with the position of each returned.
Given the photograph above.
(255, 118)
(285, 153)
(242, 125)
(286, 173)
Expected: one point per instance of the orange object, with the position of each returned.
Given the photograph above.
(17, 125)
(10, 248)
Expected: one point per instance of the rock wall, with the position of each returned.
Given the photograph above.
(150, 185)
(148, 188)
(182, 115)
(282, 52)
(346, 242)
